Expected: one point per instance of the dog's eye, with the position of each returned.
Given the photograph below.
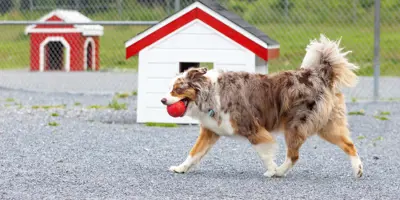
(179, 90)
(183, 85)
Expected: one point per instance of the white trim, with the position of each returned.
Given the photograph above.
(159, 25)
(85, 32)
(205, 9)
(42, 53)
(85, 46)
(31, 28)
(67, 16)
(90, 30)
(234, 26)
(274, 46)
(54, 30)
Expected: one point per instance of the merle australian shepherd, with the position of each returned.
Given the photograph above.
(300, 103)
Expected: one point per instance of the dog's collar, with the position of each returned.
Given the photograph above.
(211, 113)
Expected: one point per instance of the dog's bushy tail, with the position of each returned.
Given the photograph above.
(324, 53)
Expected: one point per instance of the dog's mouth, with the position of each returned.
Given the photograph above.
(186, 101)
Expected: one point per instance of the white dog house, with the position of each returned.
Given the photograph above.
(203, 32)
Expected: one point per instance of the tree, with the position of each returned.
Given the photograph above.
(26, 4)
(367, 4)
(96, 6)
(282, 5)
(5, 6)
(66, 3)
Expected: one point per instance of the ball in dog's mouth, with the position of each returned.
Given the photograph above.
(178, 109)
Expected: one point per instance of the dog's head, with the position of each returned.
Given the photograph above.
(186, 87)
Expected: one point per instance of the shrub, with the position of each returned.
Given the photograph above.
(5, 6)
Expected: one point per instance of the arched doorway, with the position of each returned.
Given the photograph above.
(54, 54)
(55, 58)
(89, 54)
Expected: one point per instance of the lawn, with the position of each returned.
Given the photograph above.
(14, 45)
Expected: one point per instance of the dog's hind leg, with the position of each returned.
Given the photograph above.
(294, 140)
(266, 146)
(336, 132)
(203, 144)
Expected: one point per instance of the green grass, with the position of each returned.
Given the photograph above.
(96, 107)
(293, 38)
(380, 138)
(155, 124)
(380, 116)
(384, 113)
(20, 106)
(359, 39)
(383, 118)
(114, 104)
(361, 137)
(122, 95)
(77, 104)
(53, 124)
(392, 99)
(47, 107)
(360, 112)
(55, 114)
(125, 95)
(10, 100)
(374, 141)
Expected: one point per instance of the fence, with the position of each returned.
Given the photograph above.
(373, 40)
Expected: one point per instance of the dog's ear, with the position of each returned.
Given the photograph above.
(194, 73)
(203, 70)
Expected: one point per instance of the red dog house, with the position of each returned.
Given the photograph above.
(64, 47)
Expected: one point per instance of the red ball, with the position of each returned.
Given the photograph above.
(177, 109)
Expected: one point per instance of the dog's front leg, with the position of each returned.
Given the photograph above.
(203, 144)
(264, 143)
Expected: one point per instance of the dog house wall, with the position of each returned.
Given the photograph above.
(77, 51)
(159, 63)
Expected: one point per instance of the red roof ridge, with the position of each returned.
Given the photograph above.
(200, 12)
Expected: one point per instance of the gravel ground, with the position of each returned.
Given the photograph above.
(104, 154)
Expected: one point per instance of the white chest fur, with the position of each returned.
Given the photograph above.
(224, 128)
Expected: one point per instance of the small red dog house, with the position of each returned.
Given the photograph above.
(64, 47)
(203, 32)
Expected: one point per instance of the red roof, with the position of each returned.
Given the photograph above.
(152, 36)
(69, 16)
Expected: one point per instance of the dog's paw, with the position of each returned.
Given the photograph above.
(358, 172)
(270, 173)
(357, 166)
(179, 169)
(281, 171)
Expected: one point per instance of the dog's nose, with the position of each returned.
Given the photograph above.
(164, 100)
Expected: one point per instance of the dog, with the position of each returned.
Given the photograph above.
(298, 103)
